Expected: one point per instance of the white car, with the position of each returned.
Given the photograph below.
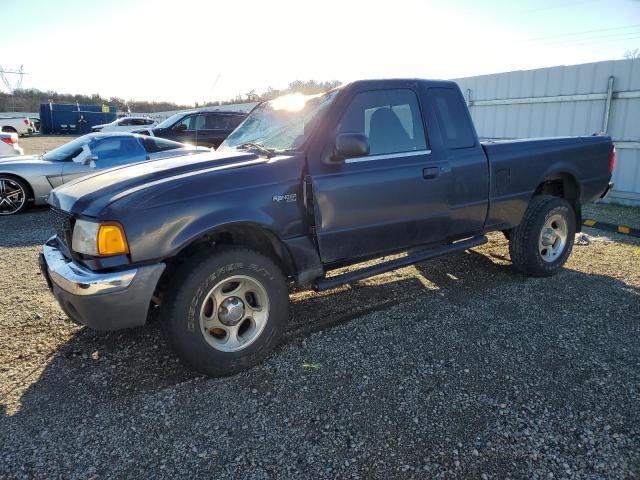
(9, 145)
(125, 124)
(19, 125)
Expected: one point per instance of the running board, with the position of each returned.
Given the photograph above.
(327, 283)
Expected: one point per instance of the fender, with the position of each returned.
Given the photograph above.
(221, 221)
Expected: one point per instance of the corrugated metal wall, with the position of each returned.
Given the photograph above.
(566, 100)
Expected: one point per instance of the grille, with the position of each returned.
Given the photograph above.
(61, 223)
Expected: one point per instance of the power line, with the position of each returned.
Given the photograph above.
(597, 30)
(553, 7)
(637, 35)
(582, 41)
(616, 36)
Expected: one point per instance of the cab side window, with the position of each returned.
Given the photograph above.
(390, 119)
(118, 151)
(188, 122)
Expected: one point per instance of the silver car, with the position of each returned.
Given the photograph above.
(27, 180)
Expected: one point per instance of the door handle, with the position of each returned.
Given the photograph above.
(430, 172)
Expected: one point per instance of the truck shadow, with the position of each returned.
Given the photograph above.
(94, 367)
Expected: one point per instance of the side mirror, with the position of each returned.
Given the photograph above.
(89, 158)
(180, 128)
(350, 145)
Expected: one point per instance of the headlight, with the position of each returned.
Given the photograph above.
(99, 239)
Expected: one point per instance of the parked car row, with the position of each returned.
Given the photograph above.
(26, 180)
(20, 125)
(125, 124)
(9, 145)
(197, 127)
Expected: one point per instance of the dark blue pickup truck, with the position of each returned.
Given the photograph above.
(305, 185)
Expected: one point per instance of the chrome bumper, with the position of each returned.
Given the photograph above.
(103, 301)
(78, 280)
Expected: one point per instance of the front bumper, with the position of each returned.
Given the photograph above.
(102, 301)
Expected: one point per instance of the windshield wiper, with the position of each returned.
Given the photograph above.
(266, 151)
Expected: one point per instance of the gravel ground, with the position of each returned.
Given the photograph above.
(615, 214)
(38, 144)
(459, 367)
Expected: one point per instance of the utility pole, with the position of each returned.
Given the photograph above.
(18, 83)
(12, 87)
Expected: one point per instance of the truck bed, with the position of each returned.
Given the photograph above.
(518, 167)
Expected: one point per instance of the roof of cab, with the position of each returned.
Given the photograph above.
(398, 82)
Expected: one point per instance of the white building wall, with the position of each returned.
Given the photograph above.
(565, 100)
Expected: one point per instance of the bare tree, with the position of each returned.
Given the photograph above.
(629, 54)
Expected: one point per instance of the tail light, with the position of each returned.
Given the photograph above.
(612, 160)
(10, 140)
(26, 121)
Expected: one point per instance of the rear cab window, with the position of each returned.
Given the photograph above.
(454, 122)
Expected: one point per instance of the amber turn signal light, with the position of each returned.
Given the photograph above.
(111, 239)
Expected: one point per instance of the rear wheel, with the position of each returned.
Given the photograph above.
(225, 312)
(13, 195)
(543, 241)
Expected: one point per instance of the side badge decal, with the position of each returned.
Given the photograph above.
(288, 198)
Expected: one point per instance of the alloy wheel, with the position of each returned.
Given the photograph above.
(12, 196)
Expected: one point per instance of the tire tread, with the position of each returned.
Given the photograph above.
(520, 239)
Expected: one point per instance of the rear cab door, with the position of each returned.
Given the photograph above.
(395, 197)
(453, 134)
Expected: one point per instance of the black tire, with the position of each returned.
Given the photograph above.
(524, 239)
(188, 292)
(9, 130)
(5, 209)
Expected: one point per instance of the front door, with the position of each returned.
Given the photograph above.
(391, 199)
(184, 131)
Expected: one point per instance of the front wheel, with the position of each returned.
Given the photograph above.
(543, 241)
(13, 195)
(226, 311)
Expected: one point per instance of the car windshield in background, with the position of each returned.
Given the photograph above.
(171, 120)
(67, 151)
(280, 124)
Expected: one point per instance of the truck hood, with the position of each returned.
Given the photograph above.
(89, 195)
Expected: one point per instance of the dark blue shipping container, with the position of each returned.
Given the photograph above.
(72, 118)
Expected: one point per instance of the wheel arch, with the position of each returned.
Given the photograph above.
(564, 185)
(23, 180)
(252, 235)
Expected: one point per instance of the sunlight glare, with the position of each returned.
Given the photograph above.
(292, 103)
